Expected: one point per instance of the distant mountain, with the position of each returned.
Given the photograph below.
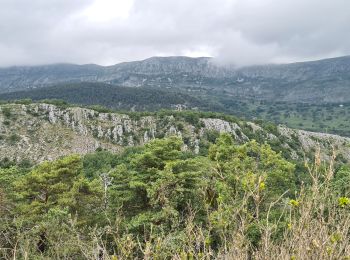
(312, 82)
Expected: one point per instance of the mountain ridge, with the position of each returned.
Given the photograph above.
(180, 56)
(315, 81)
(41, 131)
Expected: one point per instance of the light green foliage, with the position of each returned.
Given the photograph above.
(249, 173)
(252, 164)
(156, 201)
(57, 185)
(8, 176)
(341, 182)
(159, 186)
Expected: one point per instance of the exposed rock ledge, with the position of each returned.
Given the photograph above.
(44, 132)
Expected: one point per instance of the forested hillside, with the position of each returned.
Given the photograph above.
(159, 201)
(122, 98)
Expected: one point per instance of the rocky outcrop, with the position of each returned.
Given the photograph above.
(325, 142)
(44, 132)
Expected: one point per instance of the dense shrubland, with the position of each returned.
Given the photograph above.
(160, 202)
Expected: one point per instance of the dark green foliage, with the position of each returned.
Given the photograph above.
(106, 95)
(99, 162)
(191, 118)
(156, 187)
(7, 163)
(6, 112)
(13, 139)
(25, 101)
(57, 102)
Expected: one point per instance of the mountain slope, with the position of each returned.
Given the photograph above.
(110, 96)
(317, 81)
(39, 132)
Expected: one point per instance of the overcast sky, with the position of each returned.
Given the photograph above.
(241, 32)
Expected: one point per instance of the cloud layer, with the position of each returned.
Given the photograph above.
(242, 32)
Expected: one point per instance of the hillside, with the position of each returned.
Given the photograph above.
(38, 132)
(125, 98)
(78, 183)
(313, 82)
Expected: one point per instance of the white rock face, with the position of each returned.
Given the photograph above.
(147, 121)
(99, 132)
(145, 137)
(172, 130)
(312, 140)
(223, 126)
(117, 132)
(130, 141)
(217, 124)
(52, 117)
(254, 127)
(46, 132)
(196, 146)
(152, 132)
(128, 126)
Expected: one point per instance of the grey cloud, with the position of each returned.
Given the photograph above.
(241, 32)
(299, 29)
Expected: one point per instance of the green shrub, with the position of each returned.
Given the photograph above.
(14, 138)
(6, 111)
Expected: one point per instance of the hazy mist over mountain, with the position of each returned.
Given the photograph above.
(106, 32)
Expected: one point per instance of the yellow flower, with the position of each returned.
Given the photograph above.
(343, 202)
(294, 203)
(335, 238)
(262, 185)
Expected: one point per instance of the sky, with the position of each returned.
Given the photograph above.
(239, 32)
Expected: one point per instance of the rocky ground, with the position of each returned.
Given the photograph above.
(41, 132)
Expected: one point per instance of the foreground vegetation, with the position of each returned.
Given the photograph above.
(160, 202)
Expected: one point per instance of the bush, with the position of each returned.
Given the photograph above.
(6, 111)
(14, 138)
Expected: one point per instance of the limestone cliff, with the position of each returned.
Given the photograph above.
(44, 132)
